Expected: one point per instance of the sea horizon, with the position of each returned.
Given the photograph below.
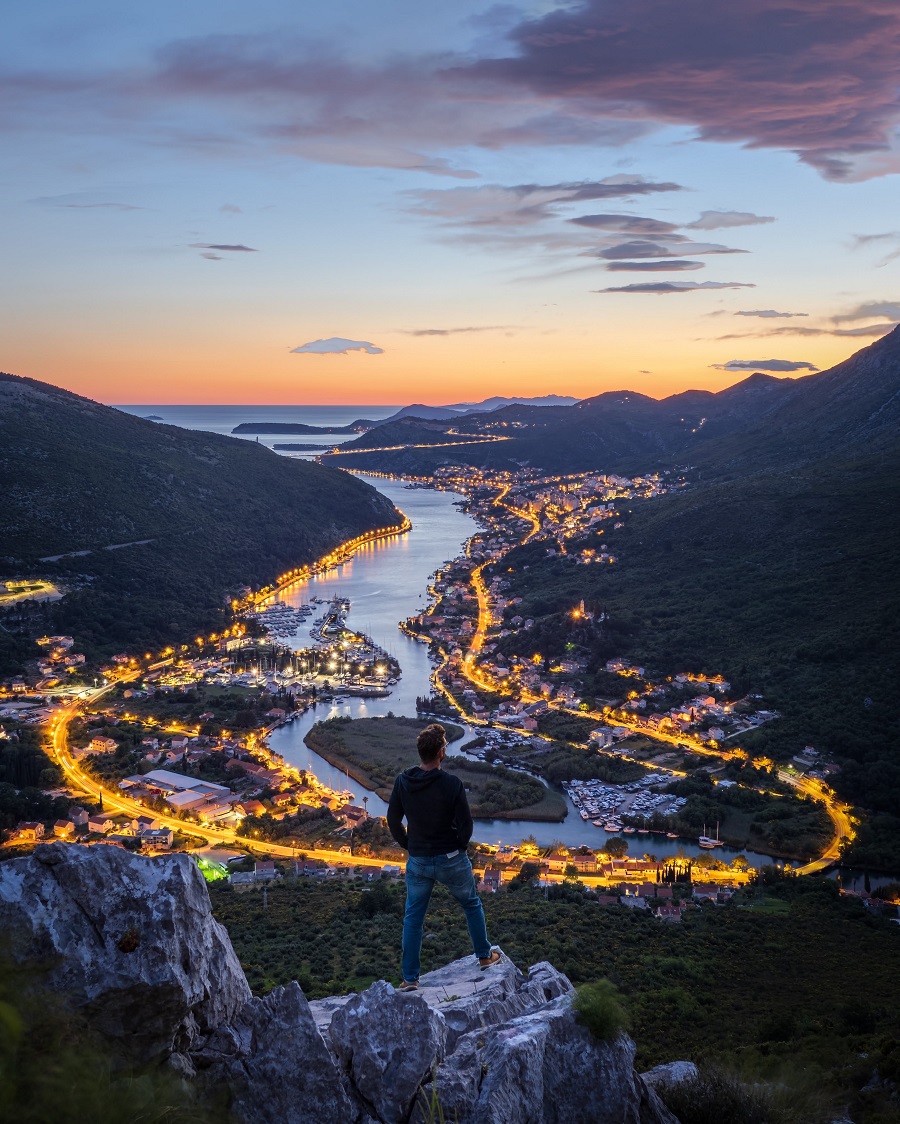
(222, 419)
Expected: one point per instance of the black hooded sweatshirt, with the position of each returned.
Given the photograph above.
(436, 810)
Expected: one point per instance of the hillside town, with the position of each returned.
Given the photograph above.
(182, 733)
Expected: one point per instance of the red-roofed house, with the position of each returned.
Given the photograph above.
(585, 862)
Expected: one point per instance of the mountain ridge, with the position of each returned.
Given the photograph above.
(206, 514)
(759, 422)
(416, 409)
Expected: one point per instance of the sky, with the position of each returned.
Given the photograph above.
(394, 202)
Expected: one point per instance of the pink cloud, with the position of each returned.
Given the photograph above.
(818, 78)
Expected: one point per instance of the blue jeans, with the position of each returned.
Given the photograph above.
(456, 875)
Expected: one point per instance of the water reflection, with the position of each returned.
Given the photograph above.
(386, 582)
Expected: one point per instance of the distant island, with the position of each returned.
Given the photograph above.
(298, 448)
(300, 427)
(416, 410)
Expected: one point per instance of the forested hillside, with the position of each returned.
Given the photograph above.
(152, 526)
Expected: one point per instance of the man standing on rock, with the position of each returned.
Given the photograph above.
(439, 827)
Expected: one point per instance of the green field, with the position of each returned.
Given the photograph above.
(372, 750)
(490, 787)
(375, 750)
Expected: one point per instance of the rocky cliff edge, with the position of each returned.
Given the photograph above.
(132, 942)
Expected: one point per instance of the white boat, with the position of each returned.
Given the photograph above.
(707, 842)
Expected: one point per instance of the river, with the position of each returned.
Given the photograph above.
(386, 582)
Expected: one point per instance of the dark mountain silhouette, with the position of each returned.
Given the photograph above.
(759, 422)
(851, 409)
(416, 410)
(206, 513)
(616, 430)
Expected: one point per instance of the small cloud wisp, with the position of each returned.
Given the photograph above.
(336, 345)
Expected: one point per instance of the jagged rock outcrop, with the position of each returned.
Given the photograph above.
(387, 1044)
(543, 1068)
(493, 1046)
(275, 1064)
(132, 942)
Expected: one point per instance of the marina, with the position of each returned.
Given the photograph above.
(385, 583)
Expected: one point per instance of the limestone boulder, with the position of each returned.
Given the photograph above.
(130, 940)
(670, 1075)
(275, 1065)
(468, 998)
(545, 1068)
(387, 1044)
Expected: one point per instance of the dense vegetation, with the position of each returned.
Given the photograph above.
(803, 624)
(788, 826)
(792, 981)
(53, 1067)
(25, 772)
(219, 513)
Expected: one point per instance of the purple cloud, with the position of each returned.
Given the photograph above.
(630, 224)
(102, 206)
(641, 249)
(719, 220)
(660, 288)
(866, 331)
(237, 249)
(769, 313)
(888, 309)
(782, 365)
(78, 202)
(520, 205)
(336, 345)
(454, 331)
(673, 265)
(819, 79)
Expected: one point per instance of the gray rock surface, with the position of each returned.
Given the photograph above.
(468, 998)
(275, 1063)
(387, 1044)
(669, 1075)
(134, 941)
(545, 1068)
(324, 1010)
